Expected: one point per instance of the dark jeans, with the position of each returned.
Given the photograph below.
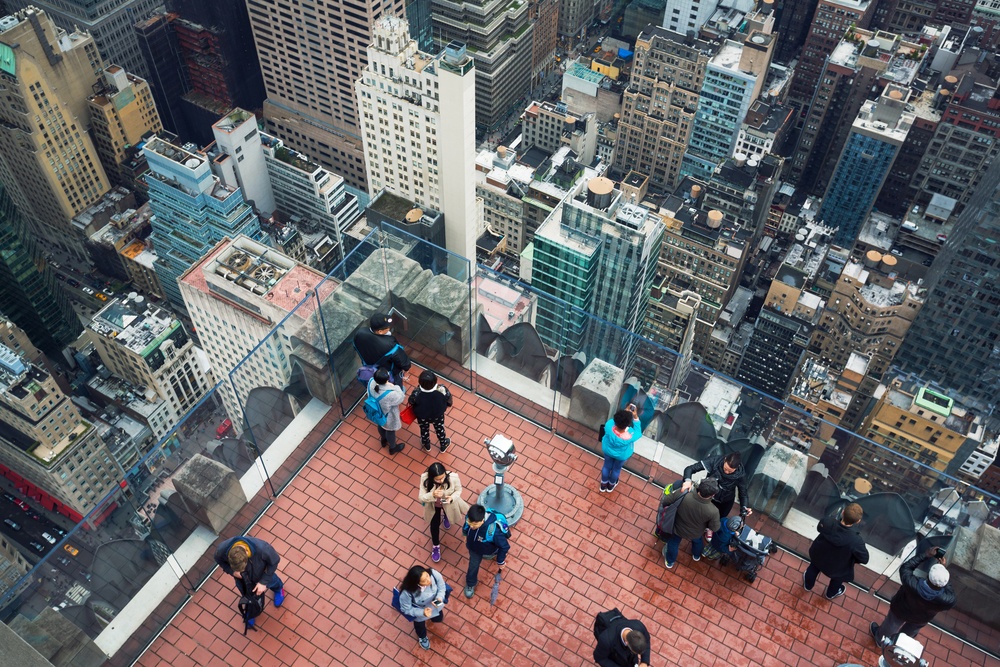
(672, 546)
(810, 580)
(892, 625)
(436, 527)
(421, 626)
(724, 505)
(388, 436)
(472, 576)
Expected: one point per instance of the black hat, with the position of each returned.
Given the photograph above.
(380, 321)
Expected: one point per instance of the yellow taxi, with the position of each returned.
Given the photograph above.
(71, 550)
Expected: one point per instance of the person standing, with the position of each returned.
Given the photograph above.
(918, 600)
(624, 643)
(484, 538)
(422, 597)
(389, 397)
(728, 470)
(618, 445)
(430, 401)
(696, 516)
(379, 348)
(253, 564)
(440, 492)
(835, 551)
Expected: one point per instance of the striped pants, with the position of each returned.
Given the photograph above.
(425, 430)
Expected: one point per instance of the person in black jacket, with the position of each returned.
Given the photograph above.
(624, 643)
(918, 600)
(728, 470)
(375, 344)
(835, 551)
(253, 564)
(429, 402)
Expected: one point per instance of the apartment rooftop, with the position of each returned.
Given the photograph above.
(134, 324)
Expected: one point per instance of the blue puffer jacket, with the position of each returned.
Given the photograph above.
(620, 448)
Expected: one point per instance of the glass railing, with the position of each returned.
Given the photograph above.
(536, 356)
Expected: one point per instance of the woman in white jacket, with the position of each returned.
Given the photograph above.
(421, 597)
(440, 492)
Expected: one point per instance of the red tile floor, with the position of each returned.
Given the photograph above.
(349, 526)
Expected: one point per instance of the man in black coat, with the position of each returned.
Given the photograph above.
(378, 347)
(835, 551)
(728, 470)
(253, 564)
(623, 643)
(918, 600)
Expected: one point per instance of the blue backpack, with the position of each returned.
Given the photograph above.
(500, 520)
(374, 411)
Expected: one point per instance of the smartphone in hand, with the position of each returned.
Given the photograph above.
(437, 603)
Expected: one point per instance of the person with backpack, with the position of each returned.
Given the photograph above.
(620, 642)
(430, 401)
(440, 492)
(378, 348)
(382, 408)
(696, 516)
(253, 564)
(618, 445)
(422, 597)
(486, 534)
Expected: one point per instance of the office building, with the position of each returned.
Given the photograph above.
(764, 129)
(863, 60)
(899, 192)
(818, 392)
(499, 36)
(194, 210)
(311, 105)
(106, 245)
(419, 127)
(830, 21)
(235, 295)
(122, 112)
(147, 346)
(544, 17)
(733, 79)
(597, 252)
(659, 105)
(109, 22)
(31, 297)
(166, 73)
(911, 16)
(46, 447)
(550, 127)
(871, 147)
(794, 21)
(742, 189)
(683, 15)
(418, 16)
(314, 202)
(575, 17)
(237, 159)
(50, 166)
(774, 352)
(954, 340)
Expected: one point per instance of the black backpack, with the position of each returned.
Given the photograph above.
(604, 620)
(251, 606)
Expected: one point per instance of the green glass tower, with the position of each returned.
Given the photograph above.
(30, 296)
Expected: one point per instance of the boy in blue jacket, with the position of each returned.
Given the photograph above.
(618, 445)
(482, 542)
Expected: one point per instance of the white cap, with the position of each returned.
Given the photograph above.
(938, 576)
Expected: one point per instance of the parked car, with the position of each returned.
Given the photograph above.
(23, 505)
(7, 496)
(56, 264)
(61, 277)
(49, 538)
(12, 524)
(70, 549)
(87, 290)
(72, 282)
(37, 547)
(101, 296)
(64, 561)
(109, 292)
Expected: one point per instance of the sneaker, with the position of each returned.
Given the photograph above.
(251, 622)
(425, 643)
(445, 523)
(436, 554)
(385, 443)
(279, 597)
(873, 629)
(840, 591)
(604, 487)
(696, 558)
(469, 591)
(611, 487)
(666, 562)
(444, 444)
(808, 588)
(427, 447)
(396, 450)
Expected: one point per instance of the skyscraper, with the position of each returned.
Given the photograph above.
(418, 119)
(499, 34)
(194, 211)
(49, 164)
(875, 138)
(311, 53)
(772, 357)
(109, 22)
(955, 340)
(31, 297)
(238, 154)
(659, 105)
(597, 252)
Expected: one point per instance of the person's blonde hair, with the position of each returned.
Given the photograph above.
(238, 557)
